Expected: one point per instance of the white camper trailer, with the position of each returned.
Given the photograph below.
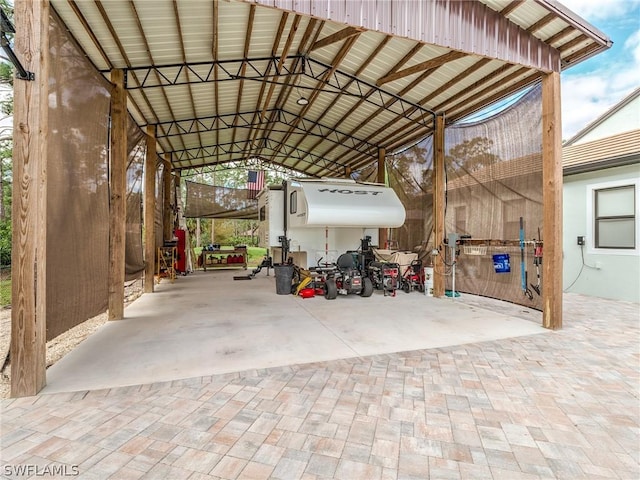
(322, 218)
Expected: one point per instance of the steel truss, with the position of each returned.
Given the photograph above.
(252, 119)
(268, 148)
(257, 69)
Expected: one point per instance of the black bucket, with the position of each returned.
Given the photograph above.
(284, 277)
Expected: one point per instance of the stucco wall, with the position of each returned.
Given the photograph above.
(607, 274)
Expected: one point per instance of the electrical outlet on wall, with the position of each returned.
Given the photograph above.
(581, 240)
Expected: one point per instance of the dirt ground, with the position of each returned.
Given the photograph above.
(59, 346)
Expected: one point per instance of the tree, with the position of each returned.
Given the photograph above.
(472, 155)
(6, 151)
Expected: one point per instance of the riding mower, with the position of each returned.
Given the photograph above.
(344, 277)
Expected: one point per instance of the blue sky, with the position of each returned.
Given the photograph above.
(595, 85)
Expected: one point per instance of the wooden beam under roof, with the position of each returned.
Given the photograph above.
(183, 53)
(147, 47)
(336, 37)
(419, 67)
(361, 68)
(261, 112)
(243, 69)
(284, 92)
(358, 163)
(543, 22)
(511, 7)
(414, 50)
(382, 109)
(283, 58)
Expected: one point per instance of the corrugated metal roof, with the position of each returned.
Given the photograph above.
(220, 79)
(615, 150)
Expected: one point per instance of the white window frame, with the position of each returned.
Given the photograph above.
(591, 219)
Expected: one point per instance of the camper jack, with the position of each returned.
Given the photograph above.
(267, 262)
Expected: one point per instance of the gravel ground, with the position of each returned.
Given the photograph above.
(59, 346)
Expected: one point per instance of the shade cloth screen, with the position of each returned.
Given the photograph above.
(78, 193)
(493, 177)
(208, 201)
(134, 252)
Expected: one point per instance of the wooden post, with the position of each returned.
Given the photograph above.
(29, 209)
(552, 202)
(383, 237)
(150, 210)
(438, 207)
(166, 205)
(118, 204)
(176, 223)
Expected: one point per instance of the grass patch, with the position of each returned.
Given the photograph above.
(254, 254)
(5, 288)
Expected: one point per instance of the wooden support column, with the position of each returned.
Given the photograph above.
(167, 217)
(552, 202)
(438, 207)
(29, 208)
(150, 210)
(118, 197)
(383, 237)
(177, 175)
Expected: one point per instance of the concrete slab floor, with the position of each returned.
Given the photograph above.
(562, 405)
(206, 323)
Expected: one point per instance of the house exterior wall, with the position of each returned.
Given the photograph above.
(625, 119)
(613, 274)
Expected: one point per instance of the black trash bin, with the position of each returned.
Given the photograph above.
(284, 277)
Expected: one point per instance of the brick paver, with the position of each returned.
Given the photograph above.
(560, 405)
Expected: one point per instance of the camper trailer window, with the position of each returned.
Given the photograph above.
(293, 202)
(263, 213)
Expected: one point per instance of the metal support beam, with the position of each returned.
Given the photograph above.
(552, 202)
(335, 81)
(29, 208)
(250, 120)
(267, 149)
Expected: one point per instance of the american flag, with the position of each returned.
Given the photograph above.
(255, 183)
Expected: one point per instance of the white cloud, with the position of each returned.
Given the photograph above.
(633, 45)
(608, 77)
(594, 10)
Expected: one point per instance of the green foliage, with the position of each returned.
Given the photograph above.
(5, 242)
(472, 155)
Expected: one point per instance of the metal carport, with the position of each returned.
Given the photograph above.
(221, 81)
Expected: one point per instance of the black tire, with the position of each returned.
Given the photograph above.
(367, 287)
(406, 286)
(330, 289)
